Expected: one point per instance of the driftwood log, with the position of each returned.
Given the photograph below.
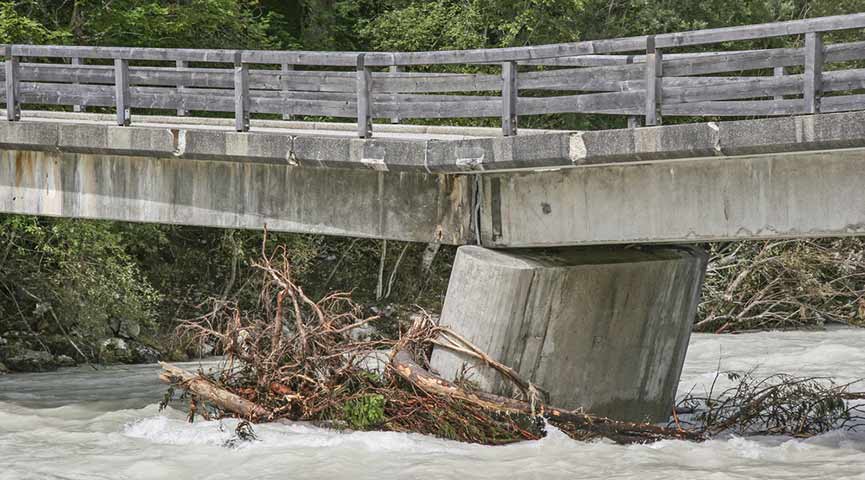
(206, 390)
(571, 421)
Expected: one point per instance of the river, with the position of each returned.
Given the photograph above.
(84, 424)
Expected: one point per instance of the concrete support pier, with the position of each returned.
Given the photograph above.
(602, 328)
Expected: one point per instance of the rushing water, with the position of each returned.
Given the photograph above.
(83, 424)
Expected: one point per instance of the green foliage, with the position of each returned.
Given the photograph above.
(71, 276)
(18, 28)
(364, 412)
(191, 24)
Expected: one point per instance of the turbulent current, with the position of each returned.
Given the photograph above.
(84, 424)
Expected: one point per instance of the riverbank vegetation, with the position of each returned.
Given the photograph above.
(91, 291)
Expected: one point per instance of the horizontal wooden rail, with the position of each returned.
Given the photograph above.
(589, 77)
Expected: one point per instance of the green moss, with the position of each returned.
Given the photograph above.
(364, 412)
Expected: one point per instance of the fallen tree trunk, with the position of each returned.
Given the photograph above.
(206, 390)
(572, 422)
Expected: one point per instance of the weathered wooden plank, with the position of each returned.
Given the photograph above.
(498, 55)
(708, 88)
(121, 91)
(812, 89)
(84, 91)
(470, 108)
(613, 60)
(168, 99)
(736, 108)
(509, 99)
(364, 107)
(241, 94)
(624, 103)
(434, 82)
(129, 53)
(607, 79)
(10, 69)
(842, 103)
(752, 87)
(834, 53)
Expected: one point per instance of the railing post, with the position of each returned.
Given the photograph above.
(395, 69)
(364, 116)
(121, 91)
(241, 93)
(509, 98)
(633, 120)
(654, 73)
(181, 65)
(13, 106)
(76, 62)
(286, 89)
(813, 72)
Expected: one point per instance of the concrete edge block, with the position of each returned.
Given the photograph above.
(644, 144)
(29, 136)
(114, 140)
(793, 134)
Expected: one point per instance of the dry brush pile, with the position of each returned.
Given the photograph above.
(295, 359)
(783, 284)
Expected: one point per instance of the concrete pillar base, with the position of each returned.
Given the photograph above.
(602, 328)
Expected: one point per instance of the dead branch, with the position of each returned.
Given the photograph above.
(205, 389)
(587, 425)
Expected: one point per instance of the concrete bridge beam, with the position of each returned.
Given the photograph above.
(603, 328)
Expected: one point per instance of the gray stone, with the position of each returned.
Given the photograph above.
(31, 361)
(140, 353)
(64, 361)
(114, 350)
(605, 329)
(126, 328)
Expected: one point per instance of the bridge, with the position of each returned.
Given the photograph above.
(760, 142)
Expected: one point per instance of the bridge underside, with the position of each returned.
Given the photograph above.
(811, 194)
(405, 206)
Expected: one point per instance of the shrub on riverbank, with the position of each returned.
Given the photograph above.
(783, 284)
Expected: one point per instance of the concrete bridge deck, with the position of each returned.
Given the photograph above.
(768, 178)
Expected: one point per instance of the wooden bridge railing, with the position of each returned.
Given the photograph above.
(627, 76)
